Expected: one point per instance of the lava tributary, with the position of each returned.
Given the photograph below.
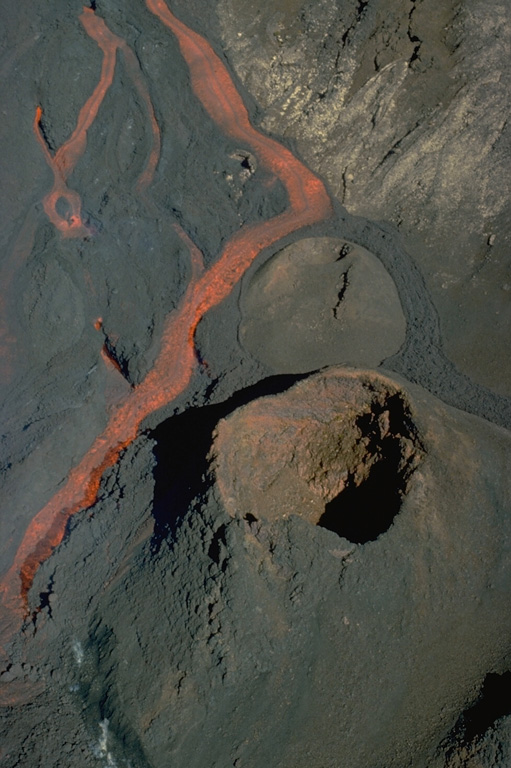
(174, 366)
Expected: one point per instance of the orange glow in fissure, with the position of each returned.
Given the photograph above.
(175, 364)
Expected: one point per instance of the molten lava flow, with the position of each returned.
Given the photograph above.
(69, 220)
(214, 87)
(174, 366)
(70, 223)
(169, 377)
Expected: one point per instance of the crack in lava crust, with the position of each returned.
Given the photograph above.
(173, 369)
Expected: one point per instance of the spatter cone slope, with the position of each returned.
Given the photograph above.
(349, 620)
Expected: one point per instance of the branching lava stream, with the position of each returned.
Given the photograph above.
(174, 366)
(63, 163)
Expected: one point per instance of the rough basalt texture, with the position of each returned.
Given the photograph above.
(330, 435)
(320, 576)
(403, 107)
(277, 641)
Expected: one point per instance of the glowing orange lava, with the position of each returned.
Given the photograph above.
(174, 366)
(69, 220)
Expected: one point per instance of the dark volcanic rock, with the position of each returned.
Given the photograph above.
(325, 582)
(403, 107)
(131, 272)
(331, 443)
(257, 637)
(318, 302)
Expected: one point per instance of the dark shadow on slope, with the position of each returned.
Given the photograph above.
(493, 703)
(182, 445)
(476, 723)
